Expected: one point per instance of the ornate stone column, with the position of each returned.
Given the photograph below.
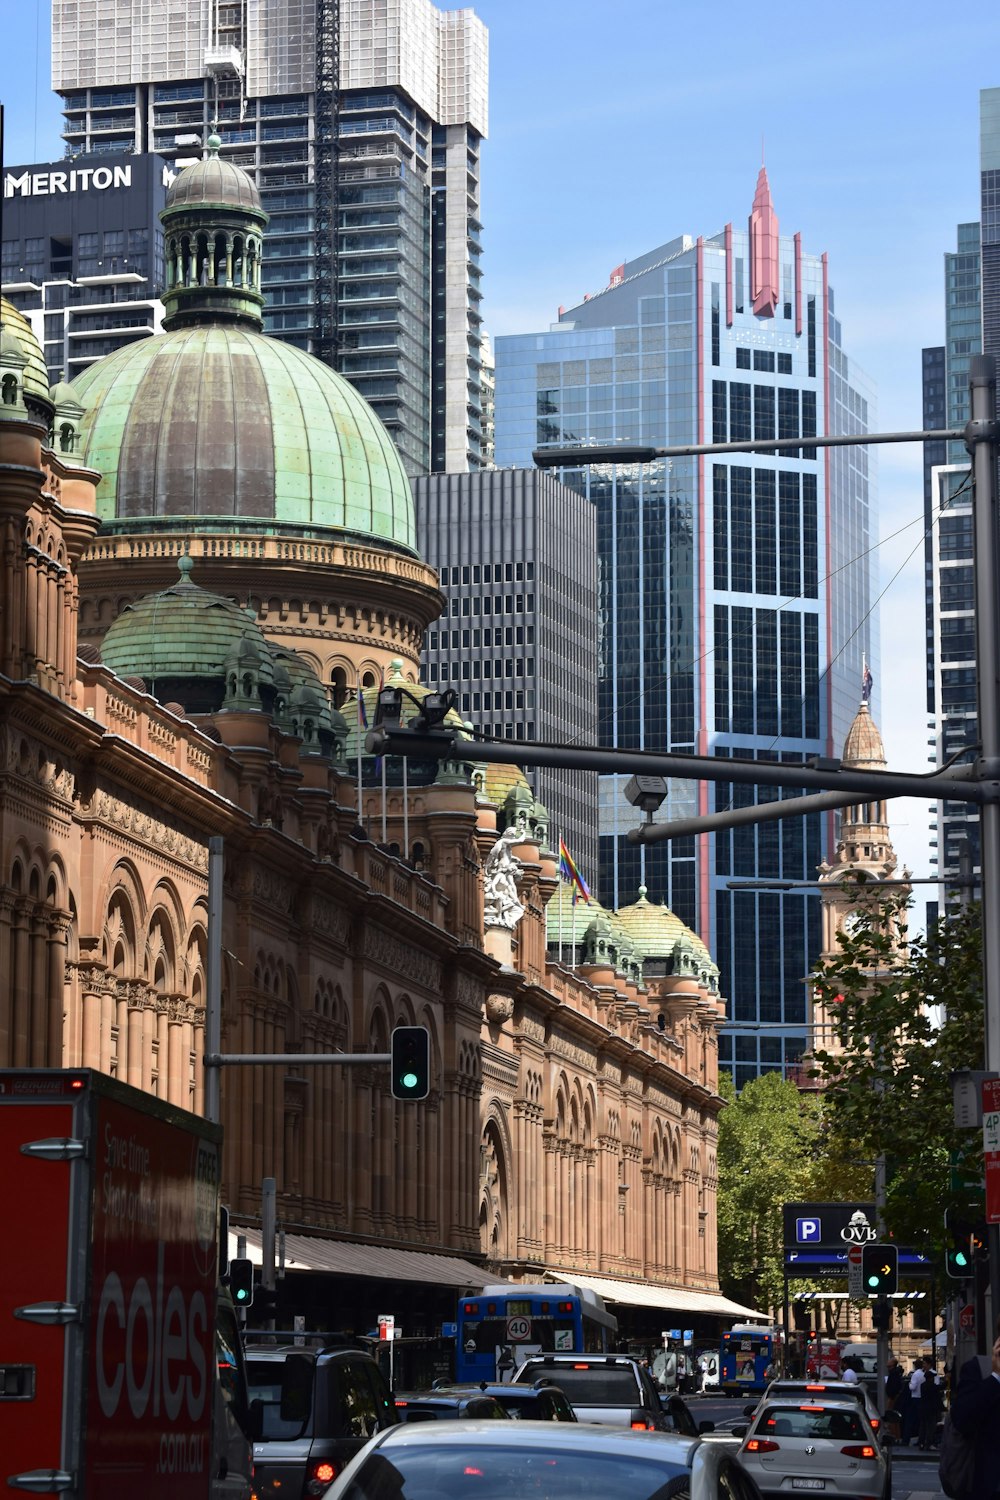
(58, 943)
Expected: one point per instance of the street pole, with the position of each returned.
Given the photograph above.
(981, 440)
(213, 978)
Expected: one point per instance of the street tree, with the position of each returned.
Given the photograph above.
(903, 1017)
(768, 1135)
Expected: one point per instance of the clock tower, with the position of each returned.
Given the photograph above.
(864, 859)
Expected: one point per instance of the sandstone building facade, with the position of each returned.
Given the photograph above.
(209, 573)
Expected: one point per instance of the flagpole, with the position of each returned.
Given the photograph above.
(406, 815)
(560, 890)
(385, 836)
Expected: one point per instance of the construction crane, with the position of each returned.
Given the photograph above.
(327, 83)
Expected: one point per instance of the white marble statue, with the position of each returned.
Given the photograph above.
(500, 876)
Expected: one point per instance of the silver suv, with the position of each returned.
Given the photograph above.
(317, 1407)
(615, 1389)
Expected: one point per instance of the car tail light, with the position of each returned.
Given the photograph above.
(761, 1445)
(638, 1426)
(322, 1472)
(859, 1450)
(875, 1423)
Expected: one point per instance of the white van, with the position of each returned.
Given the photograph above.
(866, 1354)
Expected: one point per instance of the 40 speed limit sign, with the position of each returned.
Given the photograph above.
(518, 1329)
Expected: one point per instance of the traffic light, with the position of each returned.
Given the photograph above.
(241, 1282)
(879, 1270)
(881, 1315)
(979, 1242)
(265, 1302)
(410, 1062)
(958, 1250)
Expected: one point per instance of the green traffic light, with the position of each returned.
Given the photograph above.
(409, 1080)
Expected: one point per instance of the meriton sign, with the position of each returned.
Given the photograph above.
(76, 180)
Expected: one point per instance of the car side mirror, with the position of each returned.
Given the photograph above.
(748, 1411)
(705, 1427)
(741, 1430)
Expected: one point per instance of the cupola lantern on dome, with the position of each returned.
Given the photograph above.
(213, 224)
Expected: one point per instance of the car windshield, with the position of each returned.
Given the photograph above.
(497, 1472)
(809, 1421)
(595, 1385)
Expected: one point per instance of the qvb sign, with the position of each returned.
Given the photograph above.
(827, 1226)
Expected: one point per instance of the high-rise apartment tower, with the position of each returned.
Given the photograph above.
(361, 122)
(517, 556)
(950, 589)
(736, 594)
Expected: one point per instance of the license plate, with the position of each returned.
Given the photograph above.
(808, 1484)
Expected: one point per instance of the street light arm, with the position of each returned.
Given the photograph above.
(570, 455)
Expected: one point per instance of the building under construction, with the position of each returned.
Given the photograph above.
(361, 122)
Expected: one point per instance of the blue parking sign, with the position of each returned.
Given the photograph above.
(808, 1231)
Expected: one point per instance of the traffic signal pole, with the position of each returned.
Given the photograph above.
(982, 442)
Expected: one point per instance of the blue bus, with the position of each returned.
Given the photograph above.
(499, 1327)
(749, 1357)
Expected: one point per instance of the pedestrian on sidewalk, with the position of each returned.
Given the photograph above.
(975, 1412)
(911, 1410)
(931, 1404)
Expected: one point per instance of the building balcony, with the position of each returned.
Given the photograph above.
(111, 278)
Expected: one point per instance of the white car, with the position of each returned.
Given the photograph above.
(814, 1445)
(554, 1460)
(826, 1390)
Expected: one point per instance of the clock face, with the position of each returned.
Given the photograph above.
(852, 923)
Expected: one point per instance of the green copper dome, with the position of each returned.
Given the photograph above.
(214, 420)
(182, 634)
(213, 181)
(36, 375)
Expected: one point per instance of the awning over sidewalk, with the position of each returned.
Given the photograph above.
(307, 1252)
(670, 1299)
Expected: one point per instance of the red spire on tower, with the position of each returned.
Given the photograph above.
(764, 277)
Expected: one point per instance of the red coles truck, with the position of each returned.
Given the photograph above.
(121, 1369)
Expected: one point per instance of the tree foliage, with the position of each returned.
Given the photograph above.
(767, 1137)
(904, 1017)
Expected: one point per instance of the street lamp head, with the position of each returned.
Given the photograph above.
(571, 456)
(646, 792)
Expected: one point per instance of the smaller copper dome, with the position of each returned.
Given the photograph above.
(213, 181)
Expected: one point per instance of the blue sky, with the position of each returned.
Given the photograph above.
(614, 128)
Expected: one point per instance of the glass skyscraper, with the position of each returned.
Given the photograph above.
(951, 626)
(361, 124)
(972, 326)
(736, 594)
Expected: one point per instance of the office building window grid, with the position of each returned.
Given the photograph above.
(742, 550)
